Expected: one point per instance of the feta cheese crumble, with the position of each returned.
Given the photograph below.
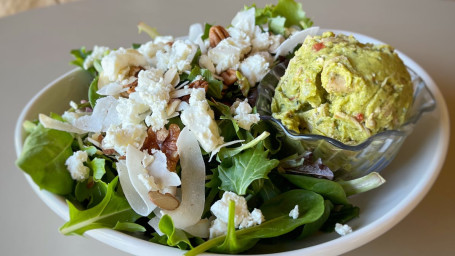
(199, 118)
(119, 137)
(242, 219)
(97, 54)
(179, 56)
(242, 114)
(343, 229)
(75, 165)
(254, 68)
(116, 64)
(294, 213)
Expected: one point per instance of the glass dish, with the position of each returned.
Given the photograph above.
(346, 161)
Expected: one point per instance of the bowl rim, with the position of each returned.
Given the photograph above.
(335, 246)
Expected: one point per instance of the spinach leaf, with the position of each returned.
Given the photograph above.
(112, 209)
(313, 227)
(327, 188)
(175, 236)
(276, 212)
(250, 165)
(92, 95)
(341, 215)
(43, 157)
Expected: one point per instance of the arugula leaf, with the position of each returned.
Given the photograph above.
(97, 166)
(129, 227)
(206, 31)
(362, 184)
(79, 57)
(175, 236)
(230, 152)
(278, 222)
(231, 244)
(93, 191)
(92, 95)
(250, 165)
(43, 157)
(112, 209)
(152, 32)
(215, 85)
(327, 188)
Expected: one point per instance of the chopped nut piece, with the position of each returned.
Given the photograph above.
(217, 34)
(196, 84)
(151, 142)
(169, 147)
(164, 201)
(161, 135)
(229, 76)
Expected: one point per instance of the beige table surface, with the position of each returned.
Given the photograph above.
(34, 49)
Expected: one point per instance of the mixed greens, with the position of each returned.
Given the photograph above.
(165, 169)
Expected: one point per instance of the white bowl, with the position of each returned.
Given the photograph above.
(409, 176)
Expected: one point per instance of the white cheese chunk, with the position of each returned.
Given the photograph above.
(97, 54)
(343, 229)
(254, 68)
(116, 64)
(75, 165)
(119, 137)
(242, 219)
(131, 111)
(179, 56)
(242, 114)
(294, 213)
(199, 118)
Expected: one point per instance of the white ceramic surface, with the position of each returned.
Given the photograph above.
(409, 177)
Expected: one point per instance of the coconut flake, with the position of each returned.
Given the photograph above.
(111, 89)
(52, 123)
(289, 44)
(154, 223)
(193, 182)
(137, 173)
(158, 169)
(104, 115)
(200, 229)
(140, 204)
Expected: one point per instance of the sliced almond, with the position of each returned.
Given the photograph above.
(164, 201)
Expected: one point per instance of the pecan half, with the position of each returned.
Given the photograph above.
(216, 35)
(196, 84)
(229, 76)
(169, 147)
(151, 141)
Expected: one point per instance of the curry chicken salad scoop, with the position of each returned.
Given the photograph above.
(340, 88)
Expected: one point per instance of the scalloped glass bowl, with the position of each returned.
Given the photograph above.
(347, 161)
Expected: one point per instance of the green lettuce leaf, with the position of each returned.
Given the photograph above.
(92, 95)
(237, 173)
(293, 12)
(111, 210)
(43, 157)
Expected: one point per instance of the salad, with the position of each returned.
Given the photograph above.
(168, 146)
